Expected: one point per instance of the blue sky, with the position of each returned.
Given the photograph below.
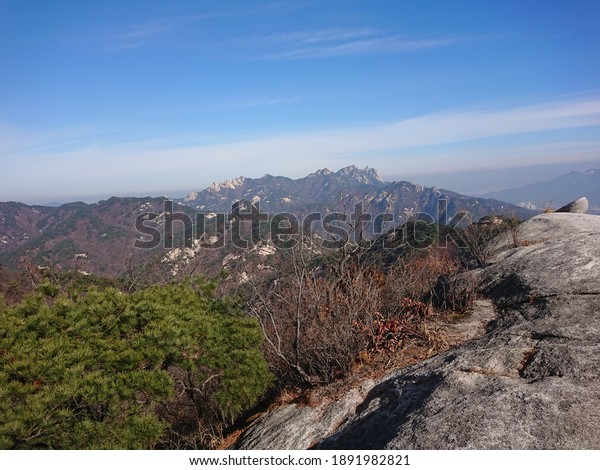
(147, 97)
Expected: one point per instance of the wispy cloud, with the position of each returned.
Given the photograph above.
(293, 45)
(145, 34)
(281, 6)
(337, 42)
(140, 35)
(318, 37)
(279, 100)
(413, 145)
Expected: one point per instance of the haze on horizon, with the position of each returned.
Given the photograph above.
(143, 97)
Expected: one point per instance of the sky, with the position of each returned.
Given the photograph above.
(154, 97)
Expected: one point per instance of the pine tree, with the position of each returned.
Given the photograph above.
(93, 370)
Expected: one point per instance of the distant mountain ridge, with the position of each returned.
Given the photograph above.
(327, 191)
(279, 193)
(556, 192)
(101, 235)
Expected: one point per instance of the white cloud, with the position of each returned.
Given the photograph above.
(336, 42)
(434, 129)
(259, 103)
(135, 36)
(415, 145)
(316, 36)
(483, 157)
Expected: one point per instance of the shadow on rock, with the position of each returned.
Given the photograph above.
(384, 411)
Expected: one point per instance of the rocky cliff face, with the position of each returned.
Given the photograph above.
(531, 381)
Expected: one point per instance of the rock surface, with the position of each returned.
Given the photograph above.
(300, 426)
(531, 381)
(580, 206)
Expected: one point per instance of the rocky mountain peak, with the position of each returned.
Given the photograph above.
(227, 184)
(365, 176)
(323, 172)
(327, 190)
(191, 196)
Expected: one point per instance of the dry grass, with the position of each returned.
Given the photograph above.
(369, 365)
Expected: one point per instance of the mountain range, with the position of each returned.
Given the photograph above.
(328, 191)
(100, 236)
(279, 193)
(556, 192)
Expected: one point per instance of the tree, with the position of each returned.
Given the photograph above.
(100, 370)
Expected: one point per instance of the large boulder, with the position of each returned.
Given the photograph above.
(579, 206)
(531, 381)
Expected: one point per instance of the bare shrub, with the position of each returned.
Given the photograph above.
(480, 239)
(310, 317)
(318, 313)
(453, 293)
(414, 276)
